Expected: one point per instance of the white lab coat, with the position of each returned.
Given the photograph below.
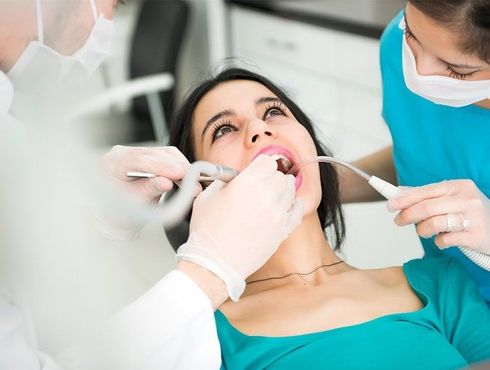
(171, 326)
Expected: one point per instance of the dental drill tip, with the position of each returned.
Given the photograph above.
(140, 174)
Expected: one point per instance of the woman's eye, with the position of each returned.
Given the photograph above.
(222, 130)
(274, 112)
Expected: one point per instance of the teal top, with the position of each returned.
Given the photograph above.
(432, 142)
(449, 332)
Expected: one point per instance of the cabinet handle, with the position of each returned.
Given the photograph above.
(278, 44)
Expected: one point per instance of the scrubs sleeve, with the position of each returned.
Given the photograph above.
(466, 316)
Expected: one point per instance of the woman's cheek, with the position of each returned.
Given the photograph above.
(311, 191)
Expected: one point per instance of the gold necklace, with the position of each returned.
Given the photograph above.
(294, 273)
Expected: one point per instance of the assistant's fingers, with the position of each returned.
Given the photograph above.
(432, 226)
(410, 196)
(427, 208)
(454, 239)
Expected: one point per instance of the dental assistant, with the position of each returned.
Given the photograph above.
(172, 325)
(435, 65)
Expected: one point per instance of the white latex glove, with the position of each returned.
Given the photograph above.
(167, 163)
(456, 211)
(236, 228)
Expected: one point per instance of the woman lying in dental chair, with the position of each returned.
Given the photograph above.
(306, 308)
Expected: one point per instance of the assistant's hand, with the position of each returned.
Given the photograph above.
(167, 163)
(456, 211)
(236, 228)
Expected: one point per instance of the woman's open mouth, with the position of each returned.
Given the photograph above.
(285, 161)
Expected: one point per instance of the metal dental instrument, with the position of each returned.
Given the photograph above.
(171, 212)
(214, 172)
(147, 175)
(383, 187)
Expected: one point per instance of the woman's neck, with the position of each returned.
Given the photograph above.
(305, 249)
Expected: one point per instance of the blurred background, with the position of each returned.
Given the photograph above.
(324, 53)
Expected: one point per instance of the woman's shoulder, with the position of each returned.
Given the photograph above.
(442, 279)
(429, 275)
(386, 276)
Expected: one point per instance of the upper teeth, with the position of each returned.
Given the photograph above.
(279, 156)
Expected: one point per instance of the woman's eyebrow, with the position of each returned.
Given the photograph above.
(217, 116)
(455, 65)
(266, 99)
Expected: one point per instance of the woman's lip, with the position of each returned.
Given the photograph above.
(298, 180)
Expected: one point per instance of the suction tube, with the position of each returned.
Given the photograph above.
(389, 191)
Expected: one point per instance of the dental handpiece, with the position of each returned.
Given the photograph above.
(383, 187)
(213, 172)
(172, 211)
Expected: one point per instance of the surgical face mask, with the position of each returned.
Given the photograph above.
(440, 89)
(42, 66)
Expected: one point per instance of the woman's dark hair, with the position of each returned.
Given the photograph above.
(330, 209)
(468, 18)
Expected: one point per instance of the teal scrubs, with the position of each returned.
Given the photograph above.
(449, 332)
(432, 142)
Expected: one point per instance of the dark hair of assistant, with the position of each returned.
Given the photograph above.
(469, 20)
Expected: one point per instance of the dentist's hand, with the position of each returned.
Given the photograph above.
(167, 163)
(456, 211)
(236, 228)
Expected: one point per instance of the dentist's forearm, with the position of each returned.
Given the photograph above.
(354, 188)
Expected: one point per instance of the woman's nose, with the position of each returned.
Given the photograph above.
(257, 131)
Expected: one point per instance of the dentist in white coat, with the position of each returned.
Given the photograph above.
(172, 325)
